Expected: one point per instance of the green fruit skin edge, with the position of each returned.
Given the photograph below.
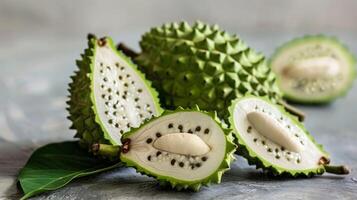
(177, 184)
(83, 113)
(335, 42)
(253, 158)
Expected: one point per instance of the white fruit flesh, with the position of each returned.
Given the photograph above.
(122, 99)
(181, 160)
(267, 148)
(313, 70)
(272, 130)
(182, 143)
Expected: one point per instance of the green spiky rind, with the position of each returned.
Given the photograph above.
(177, 184)
(332, 40)
(260, 163)
(152, 91)
(81, 99)
(79, 103)
(203, 65)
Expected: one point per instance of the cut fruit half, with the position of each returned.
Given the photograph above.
(314, 69)
(272, 139)
(108, 95)
(185, 148)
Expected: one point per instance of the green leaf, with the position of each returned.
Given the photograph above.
(55, 165)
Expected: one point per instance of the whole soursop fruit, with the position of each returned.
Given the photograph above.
(275, 141)
(184, 149)
(203, 65)
(314, 69)
(108, 95)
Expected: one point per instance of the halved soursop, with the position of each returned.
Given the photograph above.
(108, 95)
(314, 69)
(275, 141)
(183, 148)
(203, 65)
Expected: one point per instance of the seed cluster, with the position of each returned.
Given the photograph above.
(122, 95)
(178, 160)
(279, 151)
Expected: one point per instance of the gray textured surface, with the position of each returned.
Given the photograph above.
(41, 39)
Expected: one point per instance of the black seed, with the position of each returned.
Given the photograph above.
(109, 90)
(115, 113)
(150, 111)
(121, 131)
(140, 90)
(181, 164)
(121, 68)
(173, 161)
(138, 107)
(120, 77)
(249, 129)
(204, 158)
(136, 99)
(132, 82)
(277, 156)
(288, 159)
(282, 148)
(128, 125)
(158, 153)
(288, 152)
(106, 103)
(124, 97)
(276, 150)
(198, 165)
(141, 115)
(117, 64)
(281, 118)
(126, 85)
(117, 125)
(158, 134)
(263, 142)
(170, 125)
(105, 79)
(149, 140)
(198, 128)
(117, 93)
(128, 75)
(125, 92)
(302, 142)
(192, 166)
(108, 67)
(101, 71)
(206, 131)
(288, 126)
(296, 135)
(269, 150)
(180, 127)
(103, 96)
(255, 139)
(102, 86)
(101, 64)
(189, 131)
(106, 112)
(110, 97)
(110, 121)
(298, 161)
(149, 158)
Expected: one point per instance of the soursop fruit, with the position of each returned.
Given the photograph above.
(314, 69)
(275, 141)
(203, 65)
(184, 148)
(108, 95)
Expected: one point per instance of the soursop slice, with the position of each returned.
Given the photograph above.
(184, 148)
(203, 65)
(108, 95)
(275, 141)
(314, 69)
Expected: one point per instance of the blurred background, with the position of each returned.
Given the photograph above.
(40, 40)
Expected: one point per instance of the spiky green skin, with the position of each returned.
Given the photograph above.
(203, 65)
(351, 59)
(254, 159)
(81, 105)
(215, 177)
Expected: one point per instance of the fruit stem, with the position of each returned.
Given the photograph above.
(337, 169)
(293, 110)
(127, 50)
(105, 150)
